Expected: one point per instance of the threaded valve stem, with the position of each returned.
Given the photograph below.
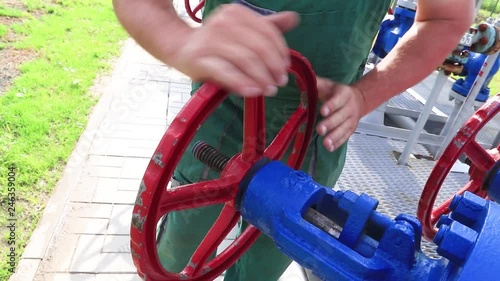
(209, 156)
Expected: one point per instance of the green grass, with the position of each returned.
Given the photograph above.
(495, 85)
(11, 12)
(45, 111)
(3, 30)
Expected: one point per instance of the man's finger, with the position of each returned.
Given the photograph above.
(325, 88)
(229, 77)
(285, 21)
(339, 136)
(340, 97)
(333, 121)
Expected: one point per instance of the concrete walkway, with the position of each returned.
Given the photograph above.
(84, 233)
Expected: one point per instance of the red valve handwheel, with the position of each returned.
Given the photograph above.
(481, 162)
(192, 13)
(154, 200)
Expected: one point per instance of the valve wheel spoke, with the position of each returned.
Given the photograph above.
(482, 161)
(239, 246)
(197, 195)
(282, 141)
(221, 228)
(472, 186)
(479, 156)
(254, 129)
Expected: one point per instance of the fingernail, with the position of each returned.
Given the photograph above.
(271, 91)
(251, 91)
(329, 145)
(322, 130)
(325, 111)
(284, 80)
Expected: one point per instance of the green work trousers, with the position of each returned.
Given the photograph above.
(335, 36)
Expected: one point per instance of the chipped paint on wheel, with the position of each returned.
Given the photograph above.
(138, 221)
(142, 188)
(157, 159)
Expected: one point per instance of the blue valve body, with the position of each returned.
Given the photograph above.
(392, 29)
(340, 236)
(492, 183)
(471, 71)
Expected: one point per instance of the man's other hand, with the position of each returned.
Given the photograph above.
(342, 108)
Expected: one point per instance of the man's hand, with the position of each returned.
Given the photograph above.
(239, 49)
(242, 51)
(438, 23)
(342, 108)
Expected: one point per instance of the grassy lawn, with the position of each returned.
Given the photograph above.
(59, 48)
(495, 85)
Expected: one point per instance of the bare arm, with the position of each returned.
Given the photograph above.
(154, 24)
(436, 32)
(438, 27)
(237, 48)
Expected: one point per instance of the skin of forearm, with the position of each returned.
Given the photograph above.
(419, 52)
(154, 25)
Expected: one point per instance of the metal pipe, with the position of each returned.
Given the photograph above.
(453, 115)
(479, 3)
(424, 116)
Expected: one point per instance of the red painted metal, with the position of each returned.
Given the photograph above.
(192, 13)
(482, 161)
(154, 200)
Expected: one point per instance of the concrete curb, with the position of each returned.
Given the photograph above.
(56, 205)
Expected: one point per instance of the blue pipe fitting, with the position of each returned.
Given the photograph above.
(355, 223)
(494, 188)
(340, 236)
(467, 208)
(482, 259)
(444, 220)
(392, 29)
(450, 237)
(471, 71)
(492, 182)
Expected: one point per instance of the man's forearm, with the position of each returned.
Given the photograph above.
(154, 24)
(423, 48)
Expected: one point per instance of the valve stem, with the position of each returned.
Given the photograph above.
(209, 156)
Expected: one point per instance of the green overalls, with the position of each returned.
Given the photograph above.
(336, 37)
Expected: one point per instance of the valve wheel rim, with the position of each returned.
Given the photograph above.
(154, 200)
(482, 161)
(192, 13)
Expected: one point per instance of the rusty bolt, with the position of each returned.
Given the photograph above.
(483, 27)
(484, 40)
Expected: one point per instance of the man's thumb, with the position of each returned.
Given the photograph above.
(285, 21)
(325, 88)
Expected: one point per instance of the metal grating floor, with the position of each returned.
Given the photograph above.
(371, 168)
(408, 102)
